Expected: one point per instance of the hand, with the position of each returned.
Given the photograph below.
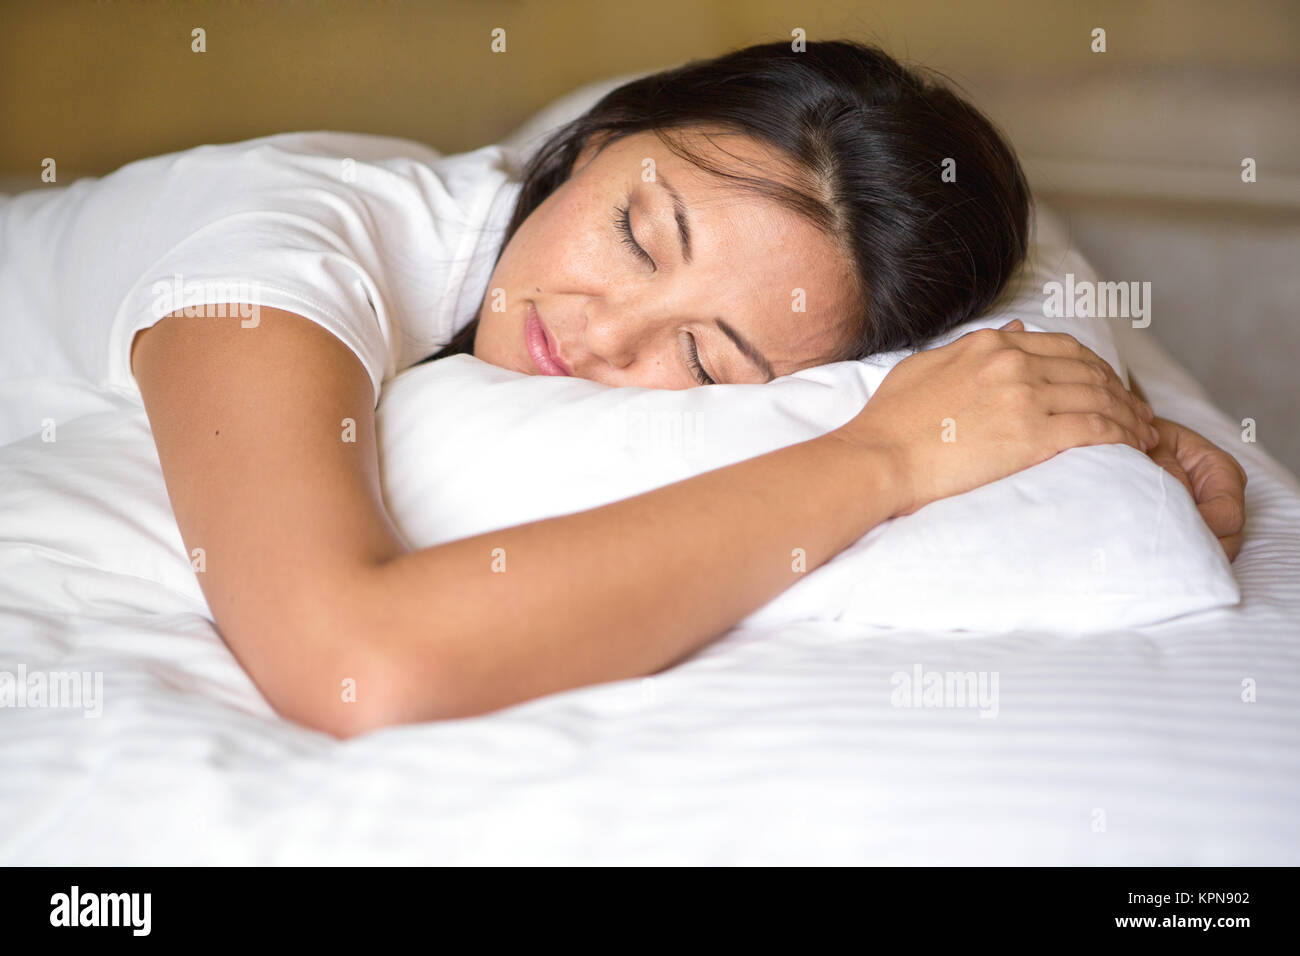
(992, 403)
(1214, 479)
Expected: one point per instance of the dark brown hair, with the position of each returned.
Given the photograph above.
(872, 139)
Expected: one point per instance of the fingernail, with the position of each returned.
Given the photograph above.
(1154, 435)
(1148, 412)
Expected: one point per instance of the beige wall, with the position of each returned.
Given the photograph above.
(97, 84)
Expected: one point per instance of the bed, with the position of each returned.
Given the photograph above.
(1168, 745)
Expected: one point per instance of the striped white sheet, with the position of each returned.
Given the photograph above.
(767, 747)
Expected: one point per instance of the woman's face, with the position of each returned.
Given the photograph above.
(712, 274)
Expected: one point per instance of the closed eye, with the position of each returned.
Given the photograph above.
(623, 223)
(693, 362)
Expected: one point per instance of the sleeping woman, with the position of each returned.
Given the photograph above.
(655, 241)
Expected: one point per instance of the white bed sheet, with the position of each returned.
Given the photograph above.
(766, 747)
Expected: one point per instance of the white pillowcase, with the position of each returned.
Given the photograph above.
(1095, 538)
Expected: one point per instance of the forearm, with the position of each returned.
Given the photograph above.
(617, 591)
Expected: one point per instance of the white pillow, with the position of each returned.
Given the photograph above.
(1095, 538)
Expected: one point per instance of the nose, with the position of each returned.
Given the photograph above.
(618, 332)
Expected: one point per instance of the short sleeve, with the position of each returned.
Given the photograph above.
(382, 242)
(260, 259)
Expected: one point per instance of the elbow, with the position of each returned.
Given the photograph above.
(359, 705)
(370, 687)
(346, 720)
(348, 669)
(336, 659)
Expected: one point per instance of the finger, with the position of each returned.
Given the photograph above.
(1223, 514)
(1210, 465)
(1163, 456)
(1218, 489)
(1065, 370)
(1207, 457)
(1218, 482)
(1081, 371)
(1015, 325)
(1050, 343)
(1055, 368)
(1061, 345)
(1232, 546)
(1074, 429)
(1061, 399)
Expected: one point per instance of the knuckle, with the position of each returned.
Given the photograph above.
(1018, 398)
(1023, 392)
(1010, 361)
(1236, 516)
(1236, 523)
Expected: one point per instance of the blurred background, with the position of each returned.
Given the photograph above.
(1139, 147)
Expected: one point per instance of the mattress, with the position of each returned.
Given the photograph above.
(1167, 745)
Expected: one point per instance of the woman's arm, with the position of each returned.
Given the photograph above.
(315, 593)
(1215, 480)
(630, 588)
(250, 425)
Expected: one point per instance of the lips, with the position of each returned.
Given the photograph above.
(541, 346)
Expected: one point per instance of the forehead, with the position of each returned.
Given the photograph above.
(768, 270)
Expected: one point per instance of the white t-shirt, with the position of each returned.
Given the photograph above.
(386, 243)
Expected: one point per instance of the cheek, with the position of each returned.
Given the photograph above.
(559, 248)
(568, 238)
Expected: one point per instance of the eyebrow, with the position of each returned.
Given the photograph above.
(679, 214)
(747, 348)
